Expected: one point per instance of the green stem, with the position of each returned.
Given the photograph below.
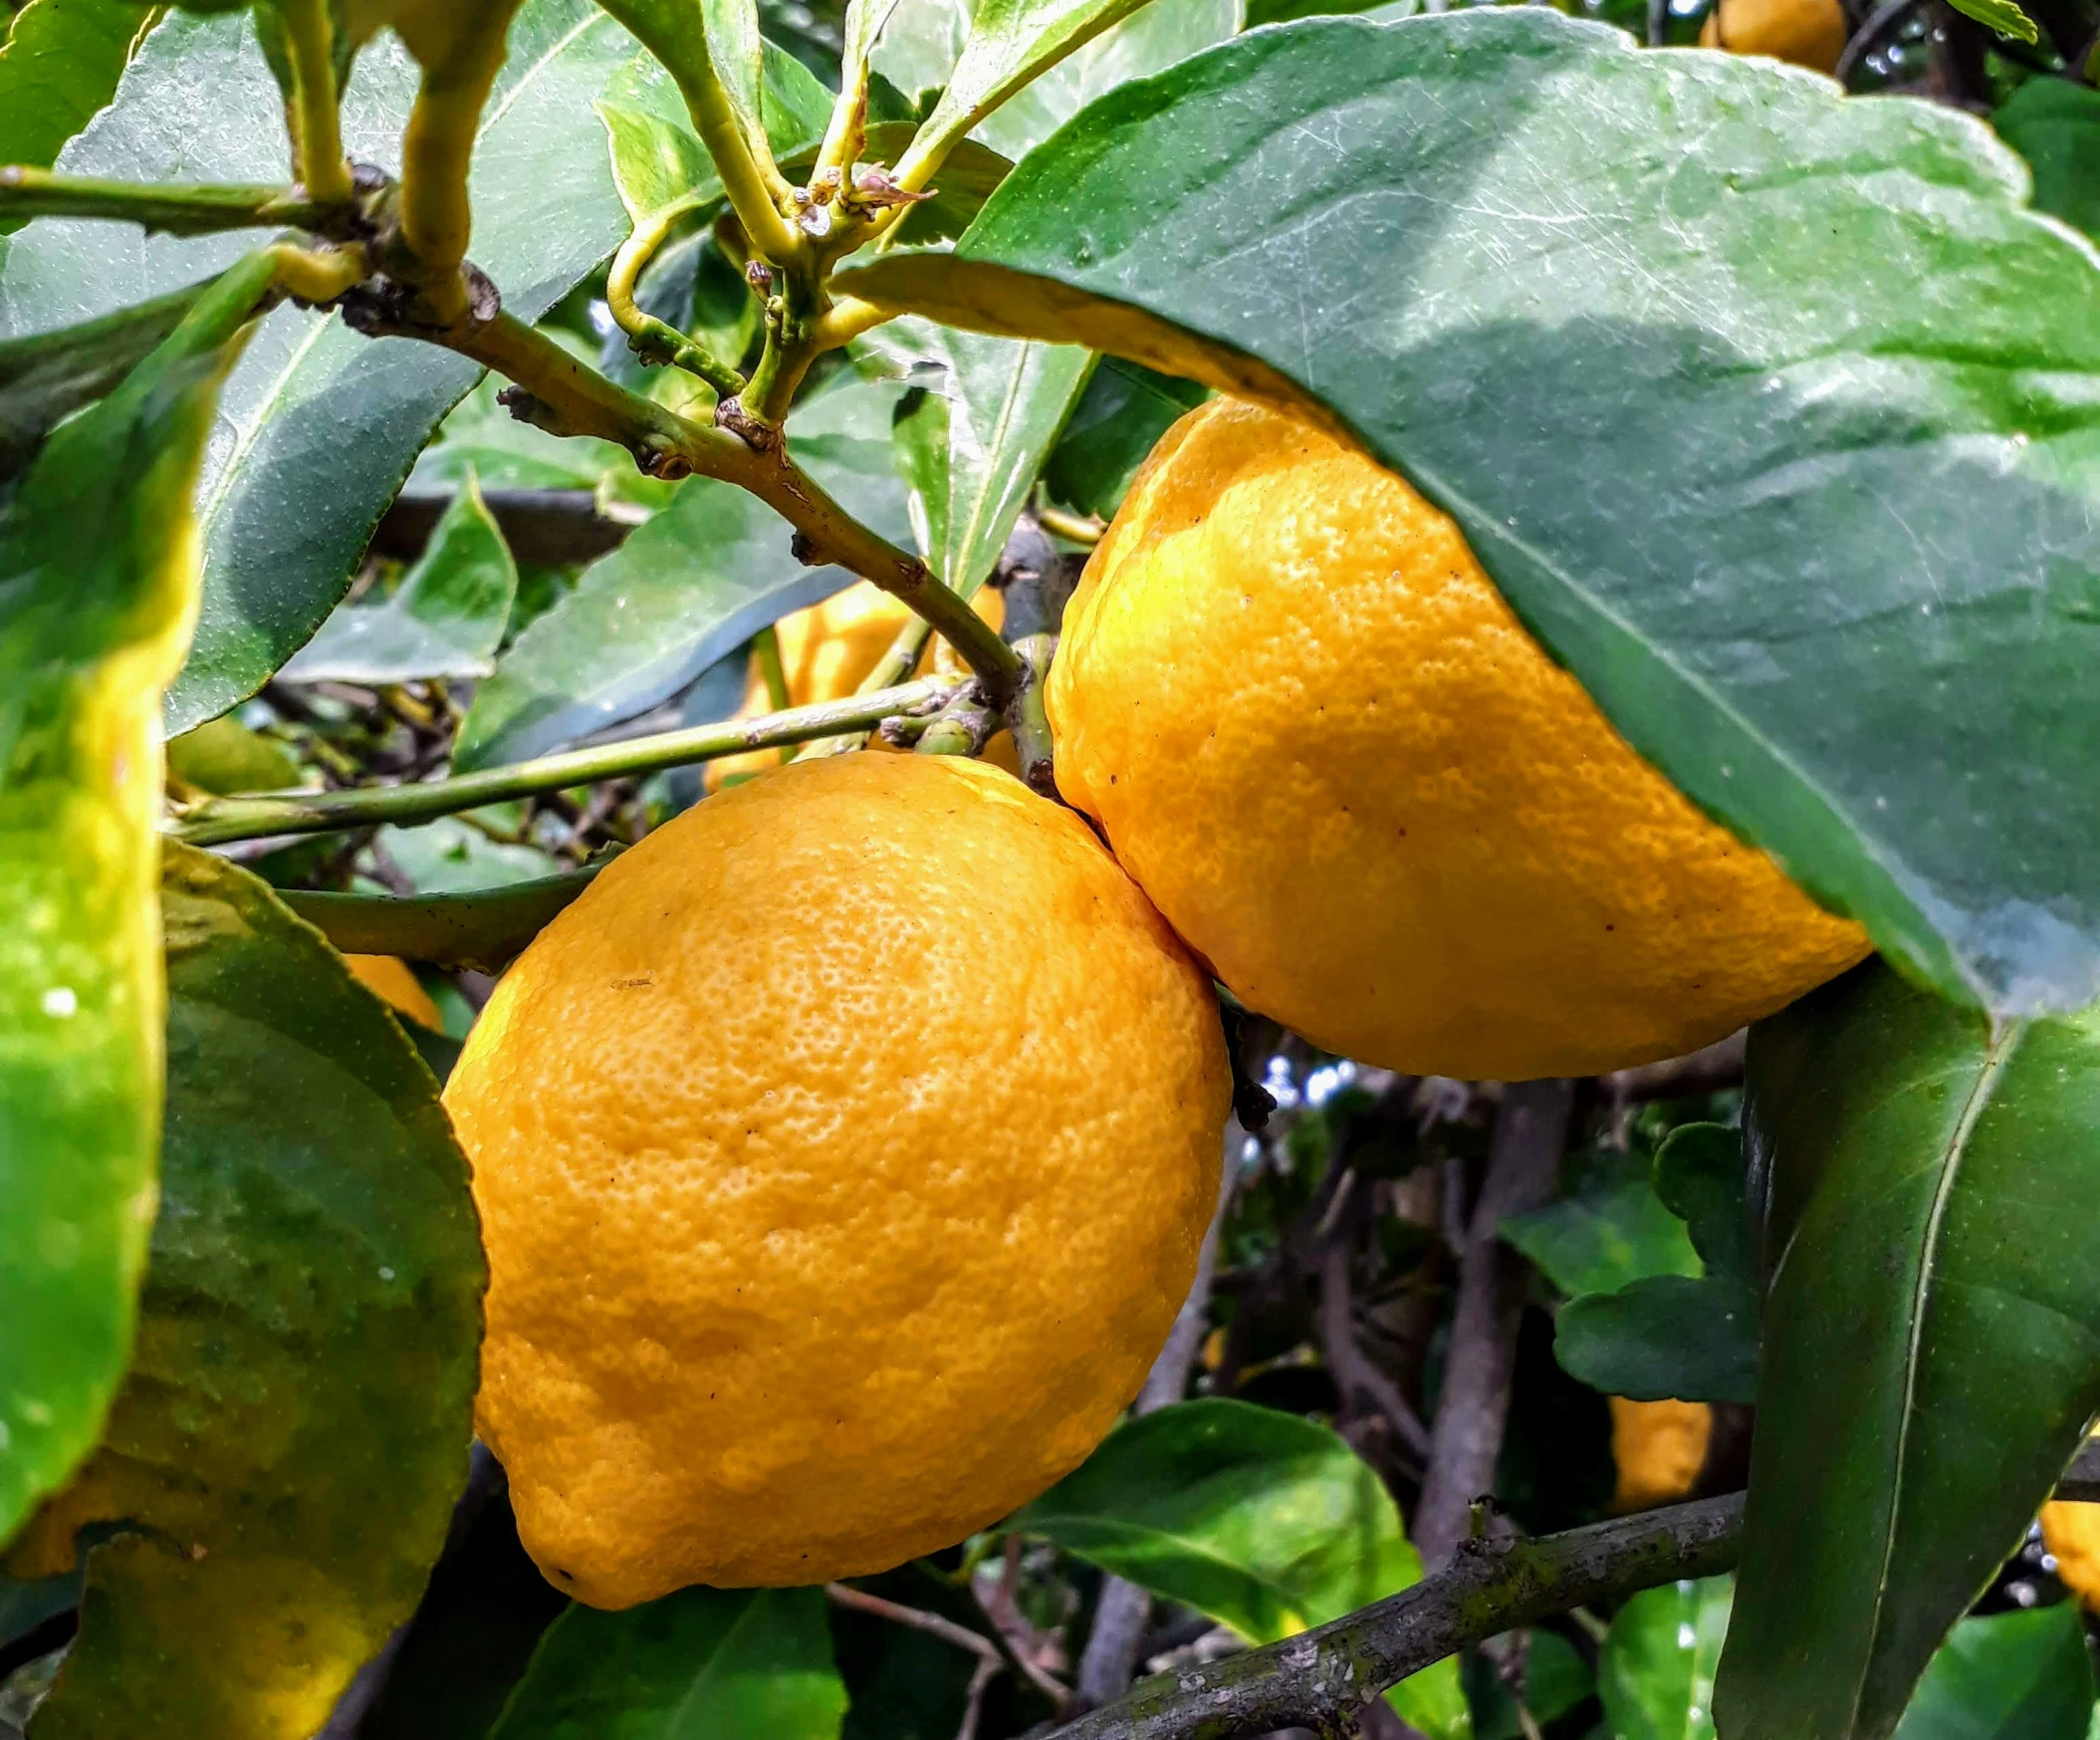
(893, 666)
(174, 209)
(765, 648)
(317, 131)
(1026, 719)
(650, 337)
(220, 819)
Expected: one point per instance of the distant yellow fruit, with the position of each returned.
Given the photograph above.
(1810, 33)
(2071, 1532)
(1659, 1447)
(842, 1159)
(392, 982)
(825, 652)
(1320, 740)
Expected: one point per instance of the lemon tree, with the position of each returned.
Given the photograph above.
(1143, 869)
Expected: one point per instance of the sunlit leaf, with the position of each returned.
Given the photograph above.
(1850, 605)
(1655, 1671)
(289, 1443)
(98, 592)
(1263, 1519)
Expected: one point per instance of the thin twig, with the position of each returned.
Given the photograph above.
(220, 819)
(1523, 1160)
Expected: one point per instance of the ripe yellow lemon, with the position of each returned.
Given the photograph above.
(2071, 1532)
(1659, 1448)
(1810, 33)
(1321, 741)
(842, 1157)
(394, 984)
(825, 652)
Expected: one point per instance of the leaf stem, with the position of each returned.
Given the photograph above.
(221, 820)
(317, 133)
(175, 209)
(656, 340)
(437, 150)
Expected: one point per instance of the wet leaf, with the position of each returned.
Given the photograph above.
(287, 1448)
(1930, 1353)
(1263, 1519)
(1850, 609)
(97, 591)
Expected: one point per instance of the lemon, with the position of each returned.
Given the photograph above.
(842, 1159)
(2071, 1532)
(393, 983)
(1810, 33)
(1320, 740)
(1659, 1447)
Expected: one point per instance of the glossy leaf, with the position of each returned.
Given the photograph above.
(1664, 1336)
(1850, 609)
(98, 592)
(319, 425)
(1655, 1671)
(288, 1444)
(1931, 1354)
(46, 378)
(696, 582)
(2002, 16)
(2012, 1676)
(1119, 420)
(446, 618)
(1262, 1520)
(1602, 1238)
(701, 1664)
(971, 450)
(920, 44)
(1152, 39)
(59, 63)
(2055, 126)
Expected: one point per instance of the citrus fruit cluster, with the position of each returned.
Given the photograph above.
(845, 1153)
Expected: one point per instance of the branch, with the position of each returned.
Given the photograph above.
(220, 819)
(656, 340)
(1320, 1679)
(1523, 1162)
(560, 393)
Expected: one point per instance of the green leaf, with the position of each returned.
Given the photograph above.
(1599, 1240)
(1160, 33)
(288, 1446)
(1119, 420)
(47, 377)
(701, 1664)
(452, 857)
(222, 755)
(737, 50)
(970, 451)
(446, 619)
(920, 44)
(481, 438)
(695, 583)
(2002, 16)
(97, 591)
(60, 64)
(1852, 608)
(1664, 1336)
(1655, 1673)
(2055, 126)
(484, 928)
(1262, 1520)
(2012, 1676)
(319, 425)
(1699, 1175)
(1931, 1339)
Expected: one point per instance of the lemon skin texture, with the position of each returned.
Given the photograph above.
(1325, 748)
(1659, 1448)
(1810, 33)
(842, 1159)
